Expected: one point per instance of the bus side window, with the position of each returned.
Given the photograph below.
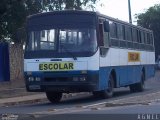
(113, 30)
(145, 37)
(138, 36)
(134, 35)
(120, 32)
(151, 39)
(142, 37)
(148, 38)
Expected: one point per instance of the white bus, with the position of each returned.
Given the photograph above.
(82, 51)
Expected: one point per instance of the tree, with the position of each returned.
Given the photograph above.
(3, 9)
(13, 16)
(13, 13)
(68, 4)
(151, 20)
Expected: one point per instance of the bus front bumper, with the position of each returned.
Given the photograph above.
(63, 83)
(65, 88)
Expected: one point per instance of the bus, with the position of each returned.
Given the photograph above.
(83, 51)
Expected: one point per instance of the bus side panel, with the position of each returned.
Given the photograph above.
(125, 75)
(103, 77)
(137, 73)
(128, 75)
(150, 68)
(149, 71)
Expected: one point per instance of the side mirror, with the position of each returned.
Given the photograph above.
(106, 26)
(103, 51)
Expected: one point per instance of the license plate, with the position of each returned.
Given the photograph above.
(56, 66)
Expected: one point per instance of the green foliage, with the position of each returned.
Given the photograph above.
(13, 13)
(68, 4)
(13, 16)
(151, 20)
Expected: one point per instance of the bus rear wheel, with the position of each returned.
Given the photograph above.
(138, 87)
(54, 97)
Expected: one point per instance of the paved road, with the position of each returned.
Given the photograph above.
(153, 108)
(133, 112)
(86, 101)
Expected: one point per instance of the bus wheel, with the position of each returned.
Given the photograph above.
(141, 84)
(54, 97)
(108, 93)
(133, 88)
(138, 87)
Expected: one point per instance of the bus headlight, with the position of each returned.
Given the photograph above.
(82, 79)
(37, 79)
(31, 79)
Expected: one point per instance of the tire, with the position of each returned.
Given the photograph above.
(108, 93)
(132, 88)
(141, 84)
(138, 87)
(54, 97)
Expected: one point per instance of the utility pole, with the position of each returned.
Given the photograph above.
(129, 10)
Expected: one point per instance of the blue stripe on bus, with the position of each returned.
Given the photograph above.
(125, 75)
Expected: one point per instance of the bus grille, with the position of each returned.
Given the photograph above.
(60, 79)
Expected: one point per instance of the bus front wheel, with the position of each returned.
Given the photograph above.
(54, 97)
(108, 93)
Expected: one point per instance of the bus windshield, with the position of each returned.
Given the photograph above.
(63, 40)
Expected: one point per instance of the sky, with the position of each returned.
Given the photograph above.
(119, 8)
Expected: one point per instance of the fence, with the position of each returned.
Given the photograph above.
(4, 62)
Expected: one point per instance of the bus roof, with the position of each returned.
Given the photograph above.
(62, 12)
(86, 13)
(123, 22)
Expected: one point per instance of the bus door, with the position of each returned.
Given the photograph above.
(103, 40)
(103, 36)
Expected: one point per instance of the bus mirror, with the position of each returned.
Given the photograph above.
(103, 51)
(101, 42)
(106, 26)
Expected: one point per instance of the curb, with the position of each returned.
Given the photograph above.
(29, 99)
(7, 104)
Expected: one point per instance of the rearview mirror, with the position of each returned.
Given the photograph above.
(106, 26)
(103, 51)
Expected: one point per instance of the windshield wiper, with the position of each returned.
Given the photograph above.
(70, 53)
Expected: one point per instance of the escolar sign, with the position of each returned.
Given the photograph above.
(133, 57)
(56, 66)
